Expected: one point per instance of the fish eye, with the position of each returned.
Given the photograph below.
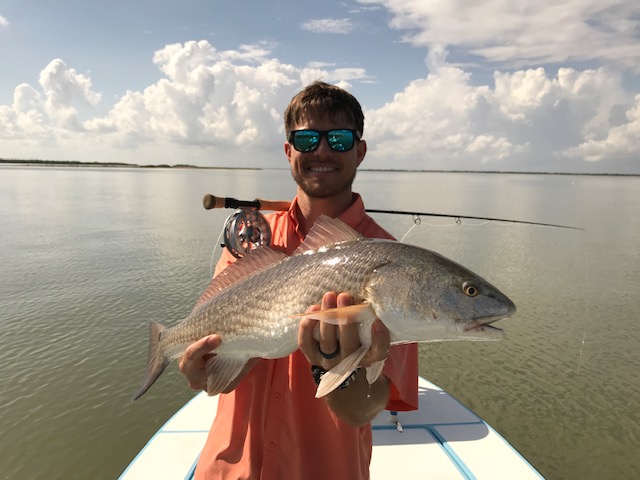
(470, 289)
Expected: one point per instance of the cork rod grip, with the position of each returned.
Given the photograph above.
(209, 202)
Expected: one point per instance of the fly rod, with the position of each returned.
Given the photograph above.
(209, 202)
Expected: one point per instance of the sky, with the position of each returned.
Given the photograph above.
(495, 85)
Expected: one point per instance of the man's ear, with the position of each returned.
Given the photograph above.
(361, 147)
(287, 151)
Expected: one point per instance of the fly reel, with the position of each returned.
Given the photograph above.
(244, 231)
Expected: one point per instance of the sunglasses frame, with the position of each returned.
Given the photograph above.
(325, 134)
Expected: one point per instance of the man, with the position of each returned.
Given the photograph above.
(269, 424)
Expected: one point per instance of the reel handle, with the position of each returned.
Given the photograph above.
(209, 202)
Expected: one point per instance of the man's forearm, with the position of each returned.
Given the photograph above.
(360, 402)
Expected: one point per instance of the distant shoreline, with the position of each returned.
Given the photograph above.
(75, 163)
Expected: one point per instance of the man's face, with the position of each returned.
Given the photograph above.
(324, 172)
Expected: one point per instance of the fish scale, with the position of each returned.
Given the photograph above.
(262, 315)
(418, 294)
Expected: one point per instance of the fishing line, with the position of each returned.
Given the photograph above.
(466, 224)
(416, 221)
(215, 248)
(586, 307)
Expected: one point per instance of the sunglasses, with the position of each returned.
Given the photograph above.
(340, 139)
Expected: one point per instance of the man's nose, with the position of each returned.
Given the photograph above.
(323, 146)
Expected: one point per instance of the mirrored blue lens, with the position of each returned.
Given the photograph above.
(340, 140)
(306, 140)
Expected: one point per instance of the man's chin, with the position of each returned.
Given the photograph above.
(315, 189)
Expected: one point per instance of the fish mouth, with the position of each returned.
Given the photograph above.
(482, 327)
(478, 323)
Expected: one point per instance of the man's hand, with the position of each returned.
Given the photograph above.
(360, 402)
(194, 359)
(343, 339)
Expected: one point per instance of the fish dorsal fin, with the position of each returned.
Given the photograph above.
(327, 231)
(259, 259)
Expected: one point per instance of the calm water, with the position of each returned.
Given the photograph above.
(89, 256)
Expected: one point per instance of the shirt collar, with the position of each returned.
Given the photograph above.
(352, 216)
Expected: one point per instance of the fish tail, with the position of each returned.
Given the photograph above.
(157, 361)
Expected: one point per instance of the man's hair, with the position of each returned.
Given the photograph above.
(319, 99)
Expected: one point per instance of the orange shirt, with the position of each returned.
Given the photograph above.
(272, 427)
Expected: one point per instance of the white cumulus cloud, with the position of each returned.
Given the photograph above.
(64, 89)
(621, 141)
(224, 107)
(229, 102)
(529, 117)
(525, 32)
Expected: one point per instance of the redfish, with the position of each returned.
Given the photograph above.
(256, 304)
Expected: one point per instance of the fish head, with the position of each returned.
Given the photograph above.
(422, 296)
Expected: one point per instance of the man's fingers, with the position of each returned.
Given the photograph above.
(306, 341)
(348, 335)
(195, 353)
(341, 340)
(195, 357)
(380, 342)
(328, 333)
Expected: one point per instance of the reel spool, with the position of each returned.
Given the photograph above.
(244, 231)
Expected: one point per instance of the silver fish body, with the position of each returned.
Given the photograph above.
(418, 294)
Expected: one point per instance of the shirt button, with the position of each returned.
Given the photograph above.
(271, 446)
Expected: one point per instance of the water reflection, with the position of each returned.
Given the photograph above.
(90, 256)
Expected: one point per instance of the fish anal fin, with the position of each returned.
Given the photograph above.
(338, 374)
(221, 371)
(361, 313)
(327, 231)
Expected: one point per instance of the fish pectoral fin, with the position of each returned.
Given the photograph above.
(221, 371)
(360, 313)
(374, 371)
(338, 374)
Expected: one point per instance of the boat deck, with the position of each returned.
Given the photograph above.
(443, 439)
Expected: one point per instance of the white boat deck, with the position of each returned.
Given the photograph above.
(441, 440)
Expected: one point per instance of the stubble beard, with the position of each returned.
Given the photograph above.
(314, 189)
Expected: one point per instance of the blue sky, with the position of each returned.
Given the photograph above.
(542, 85)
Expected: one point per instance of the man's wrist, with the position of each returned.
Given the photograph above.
(317, 372)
